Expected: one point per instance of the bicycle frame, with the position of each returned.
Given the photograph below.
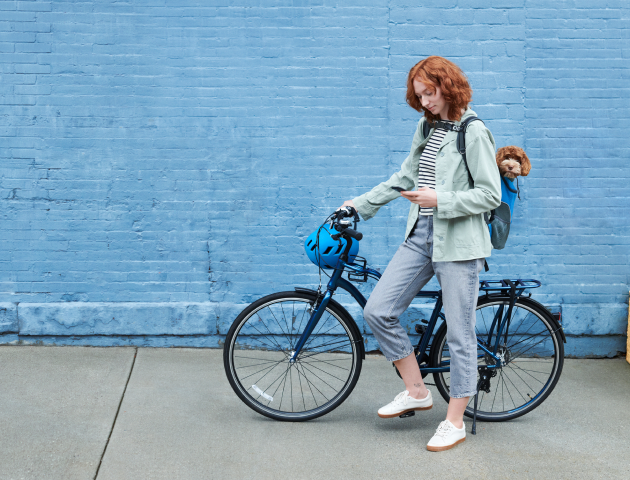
(336, 281)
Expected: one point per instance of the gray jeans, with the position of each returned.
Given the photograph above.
(409, 271)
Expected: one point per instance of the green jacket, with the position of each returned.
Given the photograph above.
(459, 229)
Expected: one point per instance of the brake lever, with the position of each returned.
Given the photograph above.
(352, 212)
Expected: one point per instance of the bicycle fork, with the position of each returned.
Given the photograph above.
(316, 315)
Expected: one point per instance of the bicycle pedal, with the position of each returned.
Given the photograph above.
(407, 414)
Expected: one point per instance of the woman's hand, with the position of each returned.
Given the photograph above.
(425, 197)
(347, 203)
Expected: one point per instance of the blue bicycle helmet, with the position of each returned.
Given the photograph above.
(323, 251)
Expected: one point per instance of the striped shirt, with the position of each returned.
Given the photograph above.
(426, 166)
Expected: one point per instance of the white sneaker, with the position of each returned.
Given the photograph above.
(403, 403)
(446, 436)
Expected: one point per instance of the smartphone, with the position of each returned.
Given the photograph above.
(398, 189)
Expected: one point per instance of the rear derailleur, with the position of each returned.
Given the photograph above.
(485, 374)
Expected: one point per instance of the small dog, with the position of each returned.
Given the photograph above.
(512, 162)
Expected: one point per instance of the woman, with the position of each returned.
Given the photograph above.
(446, 236)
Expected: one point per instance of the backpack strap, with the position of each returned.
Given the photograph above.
(461, 144)
(461, 138)
(426, 128)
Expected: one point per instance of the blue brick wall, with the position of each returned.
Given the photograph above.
(162, 162)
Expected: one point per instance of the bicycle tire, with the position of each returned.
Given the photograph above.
(534, 341)
(326, 370)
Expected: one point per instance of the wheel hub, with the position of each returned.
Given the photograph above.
(290, 356)
(504, 355)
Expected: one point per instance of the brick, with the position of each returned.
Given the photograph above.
(34, 6)
(31, 68)
(16, 16)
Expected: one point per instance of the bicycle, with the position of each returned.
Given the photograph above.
(297, 355)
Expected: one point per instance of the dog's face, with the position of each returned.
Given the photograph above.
(512, 162)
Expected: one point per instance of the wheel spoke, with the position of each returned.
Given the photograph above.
(502, 385)
(324, 381)
(278, 323)
(284, 385)
(301, 389)
(299, 329)
(496, 390)
(258, 364)
(521, 379)
(310, 383)
(331, 364)
(513, 364)
(528, 338)
(321, 370)
(312, 354)
(266, 368)
(272, 340)
(319, 333)
(527, 372)
(279, 377)
(521, 353)
(516, 388)
(291, 387)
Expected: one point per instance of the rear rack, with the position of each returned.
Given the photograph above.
(501, 285)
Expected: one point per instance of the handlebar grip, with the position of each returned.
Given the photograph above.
(353, 233)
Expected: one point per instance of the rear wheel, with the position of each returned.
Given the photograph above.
(532, 358)
(261, 341)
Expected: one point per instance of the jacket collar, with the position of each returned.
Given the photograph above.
(468, 113)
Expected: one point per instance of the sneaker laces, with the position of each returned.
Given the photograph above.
(444, 429)
(401, 397)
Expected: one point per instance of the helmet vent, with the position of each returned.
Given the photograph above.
(327, 251)
(309, 243)
(338, 249)
(313, 247)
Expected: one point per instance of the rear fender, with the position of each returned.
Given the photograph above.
(555, 320)
(540, 308)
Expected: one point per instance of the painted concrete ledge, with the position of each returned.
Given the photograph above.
(210, 318)
(191, 341)
(595, 318)
(592, 330)
(8, 317)
(112, 318)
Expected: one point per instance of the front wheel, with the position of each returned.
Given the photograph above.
(532, 356)
(261, 341)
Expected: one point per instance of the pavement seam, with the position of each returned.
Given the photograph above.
(133, 362)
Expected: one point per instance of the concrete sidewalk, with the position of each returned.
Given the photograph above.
(126, 413)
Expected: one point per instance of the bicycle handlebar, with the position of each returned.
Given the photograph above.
(346, 212)
(353, 233)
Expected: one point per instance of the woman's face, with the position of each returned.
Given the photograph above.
(431, 99)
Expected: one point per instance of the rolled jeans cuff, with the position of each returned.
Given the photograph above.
(464, 395)
(395, 359)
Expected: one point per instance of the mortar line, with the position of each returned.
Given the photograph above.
(122, 398)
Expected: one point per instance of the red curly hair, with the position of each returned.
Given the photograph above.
(439, 72)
